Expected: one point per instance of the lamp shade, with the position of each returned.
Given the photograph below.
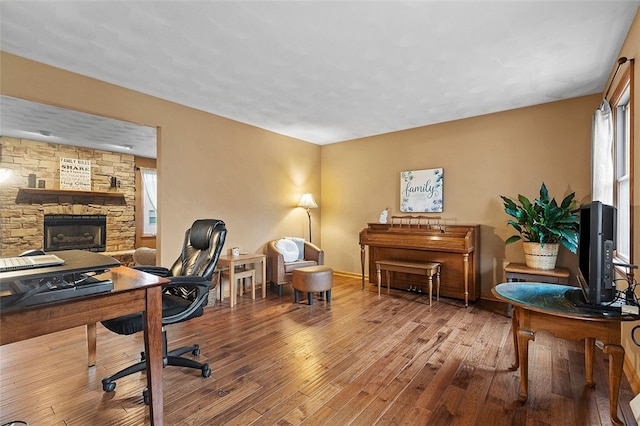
(307, 202)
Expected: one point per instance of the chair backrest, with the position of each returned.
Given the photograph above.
(201, 249)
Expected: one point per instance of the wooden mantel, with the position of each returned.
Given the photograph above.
(37, 194)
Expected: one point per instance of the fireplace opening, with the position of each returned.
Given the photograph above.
(75, 231)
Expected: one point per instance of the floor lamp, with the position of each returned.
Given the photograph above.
(308, 203)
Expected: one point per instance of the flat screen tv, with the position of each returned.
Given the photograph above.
(595, 252)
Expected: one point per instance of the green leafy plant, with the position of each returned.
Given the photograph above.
(543, 220)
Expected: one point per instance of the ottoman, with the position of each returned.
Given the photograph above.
(312, 279)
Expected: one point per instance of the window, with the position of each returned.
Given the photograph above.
(622, 183)
(612, 156)
(149, 200)
(622, 179)
(146, 202)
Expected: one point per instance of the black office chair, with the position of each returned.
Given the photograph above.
(184, 298)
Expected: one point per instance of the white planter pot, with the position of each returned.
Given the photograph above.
(538, 257)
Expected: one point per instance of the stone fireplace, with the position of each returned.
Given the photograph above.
(23, 209)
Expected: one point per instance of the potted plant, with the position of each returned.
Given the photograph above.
(543, 225)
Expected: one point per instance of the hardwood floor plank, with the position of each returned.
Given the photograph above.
(311, 405)
(445, 411)
(324, 416)
(474, 398)
(206, 409)
(391, 399)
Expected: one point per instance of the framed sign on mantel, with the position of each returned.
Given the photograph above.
(421, 190)
(75, 174)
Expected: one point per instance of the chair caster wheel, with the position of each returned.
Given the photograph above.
(108, 386)
(206, 371)
(196, 350)
(145, 397)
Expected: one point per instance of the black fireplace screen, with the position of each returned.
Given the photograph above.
(82, 232)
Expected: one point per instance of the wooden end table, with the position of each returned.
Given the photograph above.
(231, 261)
(544, 306)
(516, 272)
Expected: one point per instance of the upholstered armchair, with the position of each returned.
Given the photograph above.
(285, 255)
(144, 256)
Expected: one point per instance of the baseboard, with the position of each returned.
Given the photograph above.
(632, 376)
(635, 407)
(349, 274)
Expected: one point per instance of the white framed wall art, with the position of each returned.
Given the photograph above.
(421, 190)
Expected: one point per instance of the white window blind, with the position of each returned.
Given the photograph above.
(602, 155)
(149, 209)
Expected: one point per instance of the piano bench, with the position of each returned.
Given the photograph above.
(417, 268)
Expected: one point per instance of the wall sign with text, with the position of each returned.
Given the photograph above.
(75, 174)
(421, 190)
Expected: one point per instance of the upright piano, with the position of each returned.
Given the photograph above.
(408, 238)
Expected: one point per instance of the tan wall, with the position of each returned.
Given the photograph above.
(208, 166)
(483, 157)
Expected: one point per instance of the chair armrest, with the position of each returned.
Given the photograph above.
(275, 263)
(200, 284)
(155, 270)
(313, 252)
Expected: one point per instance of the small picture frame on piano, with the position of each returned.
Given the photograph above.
(421, 190)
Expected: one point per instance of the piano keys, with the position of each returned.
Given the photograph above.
(455, 247)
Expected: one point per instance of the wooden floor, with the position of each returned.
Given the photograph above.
(363, 359)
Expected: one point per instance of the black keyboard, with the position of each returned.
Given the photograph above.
(21, 293)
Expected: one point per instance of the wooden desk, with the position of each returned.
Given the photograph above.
(133, 291)
(231, 262)
(543, 306)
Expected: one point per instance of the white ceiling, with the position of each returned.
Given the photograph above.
(330, 71)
